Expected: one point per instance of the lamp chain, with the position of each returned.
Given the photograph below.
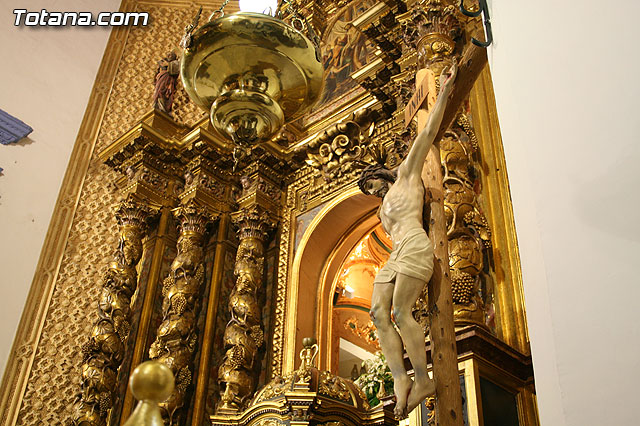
(219, 11)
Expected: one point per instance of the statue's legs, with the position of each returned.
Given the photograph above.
(406, 292)
(391, 344)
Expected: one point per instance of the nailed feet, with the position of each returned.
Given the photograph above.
(419, 392)
(402, 387)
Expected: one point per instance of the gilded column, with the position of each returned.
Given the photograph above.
(467, 228)
(104, 352)
(213, 187)
(244, 333)
(436, 34)
(176, 337)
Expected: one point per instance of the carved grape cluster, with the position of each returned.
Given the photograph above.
(461, 287)
(479, 222)
(105, 402)
(183, 379)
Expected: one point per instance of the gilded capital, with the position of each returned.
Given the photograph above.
(434, 31)
(131, 212)
(193, 217)
(254, 222)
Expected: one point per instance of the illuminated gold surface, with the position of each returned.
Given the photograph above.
(254, 72)
(511, 313)
(176, 336)
(329, 278)
(293, 318)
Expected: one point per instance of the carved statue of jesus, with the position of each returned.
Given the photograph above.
(410, 266)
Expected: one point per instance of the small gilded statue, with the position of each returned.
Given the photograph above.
(165, 82)
(410, 266)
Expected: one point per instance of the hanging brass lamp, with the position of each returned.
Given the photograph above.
(253, 72)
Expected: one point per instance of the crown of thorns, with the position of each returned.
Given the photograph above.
(375, 171)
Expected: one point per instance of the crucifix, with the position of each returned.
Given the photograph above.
(442, 332)
(418, 259)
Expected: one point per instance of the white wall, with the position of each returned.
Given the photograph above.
(46, 77)
(566, 81)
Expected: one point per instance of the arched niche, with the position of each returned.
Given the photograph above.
(322, 249)
(352, 336)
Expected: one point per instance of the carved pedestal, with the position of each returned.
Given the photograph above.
(496, 381)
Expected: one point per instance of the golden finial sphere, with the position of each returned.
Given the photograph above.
(151, 381)
(307, 342)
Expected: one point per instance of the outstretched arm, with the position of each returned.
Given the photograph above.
(418, 153)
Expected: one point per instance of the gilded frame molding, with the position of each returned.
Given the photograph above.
(512, 324)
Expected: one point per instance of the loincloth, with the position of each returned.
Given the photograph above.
(412, 256)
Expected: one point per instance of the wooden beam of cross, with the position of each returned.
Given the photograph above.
(472, 62)
(440, 303)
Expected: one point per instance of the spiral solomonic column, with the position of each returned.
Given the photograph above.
(436, 33)
(243, 335)
(104, 351)
(176, 337)
(467, 228)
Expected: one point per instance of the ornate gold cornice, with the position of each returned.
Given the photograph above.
(175, 148)
(253, 222)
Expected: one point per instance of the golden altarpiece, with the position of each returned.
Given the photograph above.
(164, 246)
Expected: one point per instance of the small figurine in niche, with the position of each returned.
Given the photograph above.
(165, 82)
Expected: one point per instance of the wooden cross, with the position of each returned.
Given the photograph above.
(442, 331)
